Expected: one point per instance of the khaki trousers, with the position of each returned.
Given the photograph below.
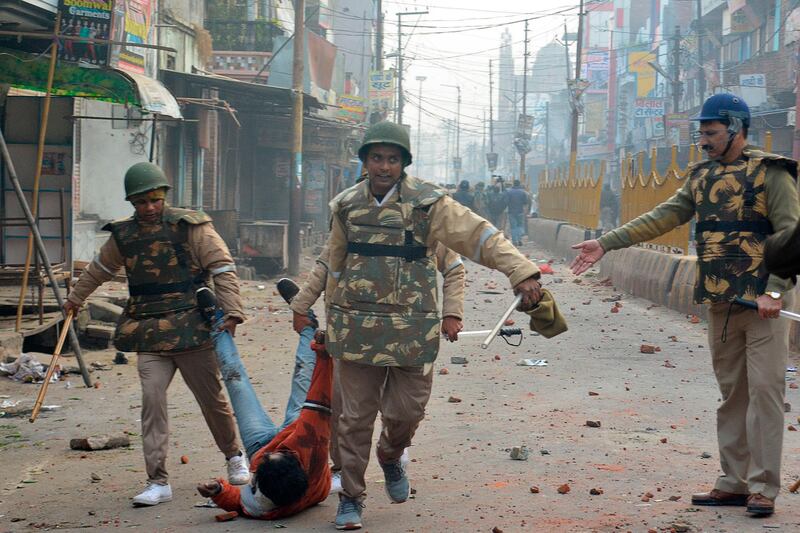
(201, 374)
(750, 367)
(399, 393)
(336, 410)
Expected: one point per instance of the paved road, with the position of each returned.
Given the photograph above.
(656, 413)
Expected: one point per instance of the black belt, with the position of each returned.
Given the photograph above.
(152, 289)
(763, 227)
(408, 252)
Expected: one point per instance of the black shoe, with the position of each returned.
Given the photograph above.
(288, 289)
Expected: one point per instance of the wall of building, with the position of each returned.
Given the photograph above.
(108, 149)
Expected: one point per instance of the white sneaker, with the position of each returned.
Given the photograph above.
(153, 495)
(336, 483)
(405, 459)
(238, 470)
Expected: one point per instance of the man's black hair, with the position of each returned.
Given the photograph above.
(281, 478)
(517, 183)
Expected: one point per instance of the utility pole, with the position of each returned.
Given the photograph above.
(296, 184)
(458, 133)
(420, 79)
(547, 133)
(379, 36)
(400, 102)
(573, 150)
(676, 70)
(522, 152)
(491, 112)
(701, 74)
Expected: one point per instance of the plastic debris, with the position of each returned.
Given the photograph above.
(532, 362)
(26, 369)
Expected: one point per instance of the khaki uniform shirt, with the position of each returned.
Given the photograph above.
(208, 251)
(783, 211)
(447, 261)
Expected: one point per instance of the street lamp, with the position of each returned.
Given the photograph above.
(457, 157)
(400, 60)
(420, 79)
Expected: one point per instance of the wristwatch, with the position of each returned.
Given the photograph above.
(775, 295)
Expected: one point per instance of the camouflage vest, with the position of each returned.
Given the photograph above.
(161, 313)
(384, 309)
(732, 225)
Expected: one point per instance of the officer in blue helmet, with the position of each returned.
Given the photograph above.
(740, 195)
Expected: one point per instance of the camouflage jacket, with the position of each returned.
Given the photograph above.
(448, 223)
(164, 322)
(448, 263)
(388, 287)
(730, 255)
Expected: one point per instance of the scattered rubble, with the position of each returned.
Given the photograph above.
(563, 489)
(458, 360)
(102, 442)
(593, 423)
(519, 453)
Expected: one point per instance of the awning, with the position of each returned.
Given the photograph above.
(29, 71)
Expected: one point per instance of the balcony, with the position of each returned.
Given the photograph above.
(243, 35)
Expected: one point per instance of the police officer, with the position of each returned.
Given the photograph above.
(740, 196)
(167, 253)
(383, 320)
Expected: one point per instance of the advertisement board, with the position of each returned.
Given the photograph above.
(80, 18)
(649, 107)
(132, 20)
(381, 91)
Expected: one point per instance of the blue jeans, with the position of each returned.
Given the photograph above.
(517, 223)
(255, 426)
(304, 361)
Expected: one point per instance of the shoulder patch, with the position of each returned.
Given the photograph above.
(190, 216)
(110, 225)
(421, 193)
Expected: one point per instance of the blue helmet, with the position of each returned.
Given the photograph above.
(724, 107)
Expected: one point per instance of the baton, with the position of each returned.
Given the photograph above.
(496, 329)
(50, 369)
(753, 305)
(504, 332)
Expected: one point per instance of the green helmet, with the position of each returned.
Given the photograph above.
(144, 177)
(386, 133)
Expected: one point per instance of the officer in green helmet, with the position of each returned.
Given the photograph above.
(740, 195)
(383, 320)
(167, 254)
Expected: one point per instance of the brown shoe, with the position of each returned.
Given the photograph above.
(719, 497)
(759, 505)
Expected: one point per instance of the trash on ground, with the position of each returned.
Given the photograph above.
(532, 362)
(209, 504)
(458, 360)
(26, 369)
(593, 423)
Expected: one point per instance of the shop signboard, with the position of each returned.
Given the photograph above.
(649, 107)
(132, 20)
(92, 20)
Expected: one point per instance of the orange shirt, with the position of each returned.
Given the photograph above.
(307, 438)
